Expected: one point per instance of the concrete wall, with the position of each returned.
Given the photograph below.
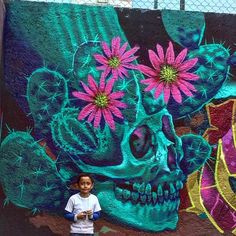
(143, 100)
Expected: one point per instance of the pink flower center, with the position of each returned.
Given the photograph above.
(101, 100)
(114, 62)
(168, 74)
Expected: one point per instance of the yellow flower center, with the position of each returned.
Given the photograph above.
(114, 62)
(101, 100)
(168, 74)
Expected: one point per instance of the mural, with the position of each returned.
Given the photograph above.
(215, 185)
(145, 116)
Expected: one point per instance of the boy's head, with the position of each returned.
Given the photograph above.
(85, 183)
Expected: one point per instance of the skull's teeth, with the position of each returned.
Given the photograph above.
(166, 194)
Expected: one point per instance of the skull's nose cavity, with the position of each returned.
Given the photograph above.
(140, 141)
(168, 128)
(172, 158)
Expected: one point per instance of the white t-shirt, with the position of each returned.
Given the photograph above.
(77, 204)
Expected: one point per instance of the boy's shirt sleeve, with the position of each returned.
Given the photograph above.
(97, 206)
(69, 215)
(70, 205)
(96, 210)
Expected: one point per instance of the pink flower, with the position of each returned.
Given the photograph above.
(102, 102)
(169, 73)
(116, 60)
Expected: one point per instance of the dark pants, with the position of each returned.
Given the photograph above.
(81, 234)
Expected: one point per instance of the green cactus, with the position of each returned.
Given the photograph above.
(71, 135)
(24, 164)
(213, 71)
(47, 94)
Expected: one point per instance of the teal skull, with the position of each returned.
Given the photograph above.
(140, 168)
(142, 189)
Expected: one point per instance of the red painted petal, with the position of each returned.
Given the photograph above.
(130, 59)
(122, 49)
(159, 90)
(117, 95)
(115, 74)
(115, 111)
(148, 81)
(109, 86)
(82, 96)
(118, 104)
(184, 89)
(187, 84)
(101, 67)
(154, 59)
(102, 82)
(166, 93)
(86, 111)
(108, 118)
(131, 66)
(176, 94)
(106, 72)
(180, 58)
(160, 53)
(91, 116)
(115, 46)
(106, 49)
(87, 89)
(101, 59)
(92, 84)
(188, 76)
(188, 64)
(170, 54)
(98, 117)
(129, 53)
(147, 71)
(151, 86)
(122, 72)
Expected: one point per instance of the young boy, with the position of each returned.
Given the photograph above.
(83, 208)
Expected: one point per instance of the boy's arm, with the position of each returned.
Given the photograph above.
(70, 216)
(96, 215)
(69, 209)
(74, 217)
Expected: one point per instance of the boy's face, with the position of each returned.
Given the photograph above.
(85, 185)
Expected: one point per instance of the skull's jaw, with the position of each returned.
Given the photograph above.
(141, 214)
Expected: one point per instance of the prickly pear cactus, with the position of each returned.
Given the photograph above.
(71, 135)
(47, 94)
(30, 177)
(83, 61)
(185, 28)
(213, 69)
(80, 138)
(195, 150)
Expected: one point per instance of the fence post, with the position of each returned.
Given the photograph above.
(182, 5)
(155, 4)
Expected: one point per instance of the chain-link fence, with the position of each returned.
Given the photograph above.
(219, 6)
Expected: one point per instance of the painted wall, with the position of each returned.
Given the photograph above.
(143, 100)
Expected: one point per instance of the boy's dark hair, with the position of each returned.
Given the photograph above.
(85, 175)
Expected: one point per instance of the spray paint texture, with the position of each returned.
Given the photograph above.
(98, 118)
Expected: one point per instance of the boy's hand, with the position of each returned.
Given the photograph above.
(89, 212)
(81, 215)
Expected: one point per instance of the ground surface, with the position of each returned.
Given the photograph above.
(18, 221)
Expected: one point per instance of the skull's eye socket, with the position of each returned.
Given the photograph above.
(140, 141)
